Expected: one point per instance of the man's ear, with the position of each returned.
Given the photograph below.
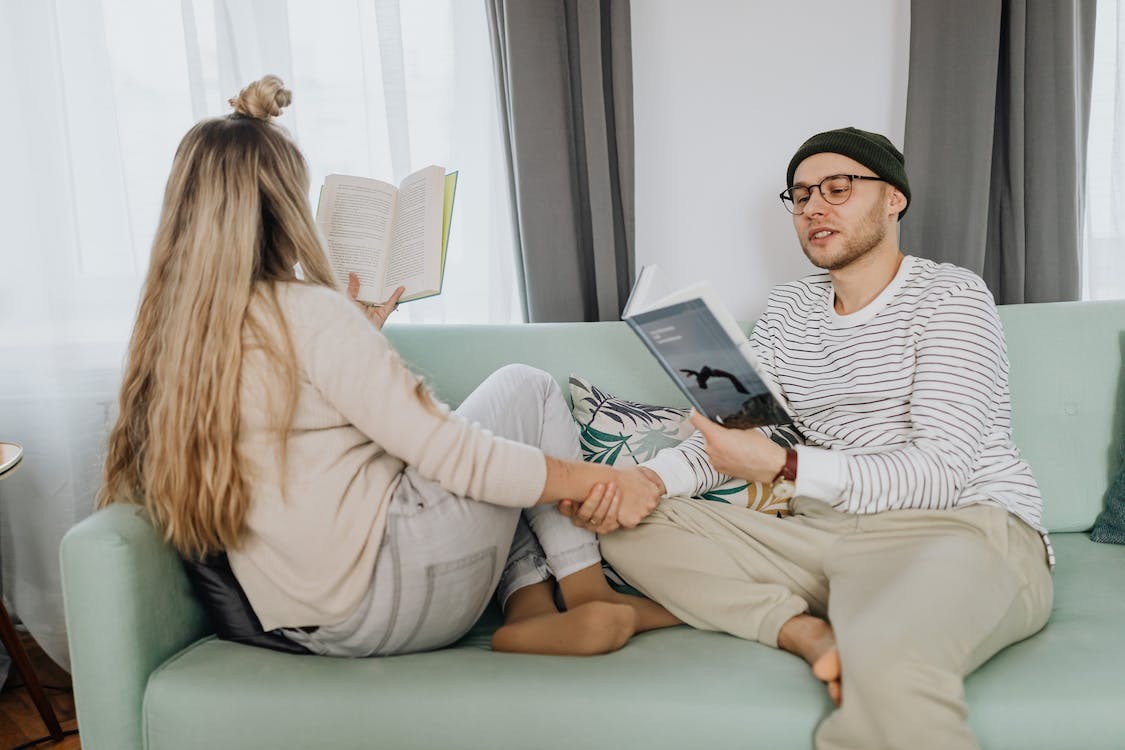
(897, 202)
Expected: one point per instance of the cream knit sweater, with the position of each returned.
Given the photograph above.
(315, 528)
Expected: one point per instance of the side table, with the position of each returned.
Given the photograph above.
(10, 456)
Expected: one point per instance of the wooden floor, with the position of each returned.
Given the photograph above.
(19, 721)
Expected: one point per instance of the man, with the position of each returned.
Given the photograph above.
(914, 551)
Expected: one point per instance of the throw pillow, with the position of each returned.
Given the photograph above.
(1110, 526)
(232, 618)
(618, 432)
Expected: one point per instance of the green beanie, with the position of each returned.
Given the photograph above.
(872, 150)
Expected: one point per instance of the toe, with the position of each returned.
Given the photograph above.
(826, 667)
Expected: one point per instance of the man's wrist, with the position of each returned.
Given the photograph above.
(653, 477)
(785, 481)
(787, 468)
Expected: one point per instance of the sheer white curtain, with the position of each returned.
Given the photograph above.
(97, 96)
(1105, 161)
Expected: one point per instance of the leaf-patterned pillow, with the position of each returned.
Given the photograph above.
(625, 433)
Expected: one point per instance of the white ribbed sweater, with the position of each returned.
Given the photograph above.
(310, 552)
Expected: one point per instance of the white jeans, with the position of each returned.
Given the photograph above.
(444, 556)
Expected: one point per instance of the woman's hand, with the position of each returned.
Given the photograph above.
(598, 512)
(746, 454)
(623, 502)
(376, 313)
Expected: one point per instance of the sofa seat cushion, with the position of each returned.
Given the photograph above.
(1064, 687)
(670, 689)
(667, 689)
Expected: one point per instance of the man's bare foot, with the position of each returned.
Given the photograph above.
(827, 670)
(812, 639)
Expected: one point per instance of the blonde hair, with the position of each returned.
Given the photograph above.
(235, 221)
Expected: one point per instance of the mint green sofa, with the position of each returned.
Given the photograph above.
(149, 674)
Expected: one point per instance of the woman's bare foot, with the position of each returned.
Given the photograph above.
(589, 585)
(534, 625)
(812, 639)
(587, 630)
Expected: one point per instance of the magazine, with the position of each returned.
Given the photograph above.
(701, 346)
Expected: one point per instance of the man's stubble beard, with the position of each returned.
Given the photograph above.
(868, 234)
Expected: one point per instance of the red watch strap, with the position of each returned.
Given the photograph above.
(789, 470)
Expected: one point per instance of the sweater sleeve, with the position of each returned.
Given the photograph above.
(355, 369)
(685, 469)
(961, 372)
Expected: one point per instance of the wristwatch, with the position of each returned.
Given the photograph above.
(785, 483)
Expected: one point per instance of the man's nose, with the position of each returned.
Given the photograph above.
(816, 203)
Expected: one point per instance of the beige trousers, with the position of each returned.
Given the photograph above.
(917, 599)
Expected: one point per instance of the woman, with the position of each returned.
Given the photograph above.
(263, 414)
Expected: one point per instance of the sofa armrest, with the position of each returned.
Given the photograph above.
(129, 608)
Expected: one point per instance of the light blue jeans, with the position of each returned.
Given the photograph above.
(444, 556)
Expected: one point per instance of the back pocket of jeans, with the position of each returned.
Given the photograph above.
(457, 593)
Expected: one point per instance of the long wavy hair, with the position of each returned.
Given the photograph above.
(235, 220)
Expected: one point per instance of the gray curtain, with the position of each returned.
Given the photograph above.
(997, 114)
(564, 72)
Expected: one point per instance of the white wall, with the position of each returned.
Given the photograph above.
(724, 93)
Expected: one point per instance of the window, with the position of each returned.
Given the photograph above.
(381, 88)
(1104, 253)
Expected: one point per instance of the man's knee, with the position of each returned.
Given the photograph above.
(626, 549)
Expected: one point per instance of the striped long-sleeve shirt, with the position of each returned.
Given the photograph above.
(902, 404)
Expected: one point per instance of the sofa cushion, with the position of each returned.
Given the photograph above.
(228, 610)
(668, 689)
(1067, 405)
(619, 432)
(1110, 525)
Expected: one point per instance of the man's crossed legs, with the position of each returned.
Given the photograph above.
(894, 609)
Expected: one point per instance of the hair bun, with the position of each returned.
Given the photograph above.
(263, 99)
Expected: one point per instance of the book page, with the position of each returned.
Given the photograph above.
(356, 215)
(415, 256)
(650, 285)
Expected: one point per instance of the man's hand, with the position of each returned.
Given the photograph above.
(653, 477)
(746, 454)
(621, 503)
(379, 313)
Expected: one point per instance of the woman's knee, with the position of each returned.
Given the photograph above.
(520, 381)
(525, 377)
(514, 401)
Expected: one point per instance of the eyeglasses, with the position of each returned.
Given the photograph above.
(834, 189)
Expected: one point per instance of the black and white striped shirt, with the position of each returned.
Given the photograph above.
(903, 404)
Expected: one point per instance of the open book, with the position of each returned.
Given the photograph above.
(700, 345)
(388, 236)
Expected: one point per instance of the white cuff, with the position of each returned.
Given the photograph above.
(674, 470)
(821, 474)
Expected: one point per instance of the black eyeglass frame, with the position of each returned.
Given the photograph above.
(790, 204)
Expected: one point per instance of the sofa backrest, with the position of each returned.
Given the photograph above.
(1068, 396)
(1068, 402)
